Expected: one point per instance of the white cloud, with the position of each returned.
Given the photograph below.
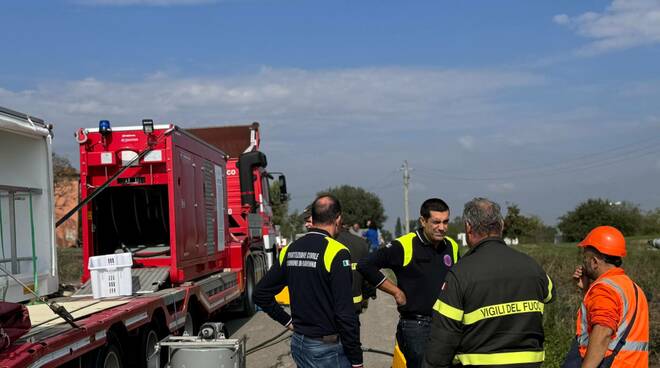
(387, 99)
(144, 2)
(467, 142)
(561, 19)
(624, 24)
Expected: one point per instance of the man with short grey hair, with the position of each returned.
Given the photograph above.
(490, 308)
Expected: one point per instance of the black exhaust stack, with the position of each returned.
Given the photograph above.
(246, 164)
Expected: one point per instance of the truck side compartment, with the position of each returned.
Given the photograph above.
(168, 210)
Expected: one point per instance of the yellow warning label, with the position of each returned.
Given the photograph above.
(26, 291)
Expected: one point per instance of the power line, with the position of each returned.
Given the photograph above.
(545, 171)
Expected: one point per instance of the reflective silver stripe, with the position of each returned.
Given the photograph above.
(59, 353)
(176, 323)
(624, 325)
(135, 319)
(583, 337)
(99, 335)
(635, 346)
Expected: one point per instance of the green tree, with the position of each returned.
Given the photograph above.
(528, 229)
(358, 205)
(292, 225)
(398, 229)
(413, 224)
(625, 216)
(62, 169)
(515, 224)
(280, 208)
(651, 223)
(387, 236)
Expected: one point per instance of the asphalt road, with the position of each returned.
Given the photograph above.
(377, 332)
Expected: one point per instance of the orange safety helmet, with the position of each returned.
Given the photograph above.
(607, 240)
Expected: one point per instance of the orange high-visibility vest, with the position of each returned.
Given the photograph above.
(635, 351)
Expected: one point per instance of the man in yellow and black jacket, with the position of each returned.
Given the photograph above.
(420, 260)
(359, 248)
(317, 270)
(490, 308)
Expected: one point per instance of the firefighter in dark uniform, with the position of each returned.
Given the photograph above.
(359, 249)
(317, 270)
(490, 308)
(420, 260)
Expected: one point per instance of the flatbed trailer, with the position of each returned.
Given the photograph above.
(118, 327)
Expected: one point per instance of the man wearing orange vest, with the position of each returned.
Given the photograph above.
(613, 320)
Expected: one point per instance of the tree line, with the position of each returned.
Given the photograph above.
(360, 205)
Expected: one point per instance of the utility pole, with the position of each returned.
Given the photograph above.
(406, 182)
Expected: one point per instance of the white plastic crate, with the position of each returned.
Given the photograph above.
(111, 275)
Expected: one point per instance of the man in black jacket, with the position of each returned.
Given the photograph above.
(420, 260)
(317, 270)
(359, 249)
(490, 308)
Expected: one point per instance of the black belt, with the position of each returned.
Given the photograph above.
(329, 339)
(415, 317)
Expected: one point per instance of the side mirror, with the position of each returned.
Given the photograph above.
(284, 196)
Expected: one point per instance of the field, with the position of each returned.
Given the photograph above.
(559, 261)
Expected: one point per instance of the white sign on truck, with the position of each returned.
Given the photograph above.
(27, 240)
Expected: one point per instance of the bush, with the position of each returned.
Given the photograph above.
(528, 229)
(624, 216)
(559, 317)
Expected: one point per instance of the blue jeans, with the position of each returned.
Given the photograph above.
(312, 353)
(412, 337)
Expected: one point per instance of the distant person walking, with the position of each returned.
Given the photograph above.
(372, 236)
(613, 320)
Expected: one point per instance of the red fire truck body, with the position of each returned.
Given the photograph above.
(248, 203)
(169, 209)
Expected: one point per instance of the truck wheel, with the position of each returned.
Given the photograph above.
(107, 356)
(191, 325)
(112, 358)
(148, 339)
(249, 308)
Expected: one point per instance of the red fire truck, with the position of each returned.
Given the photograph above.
(192, 209)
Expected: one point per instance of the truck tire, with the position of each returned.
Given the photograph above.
(189, 326)
(249, 308)
(149, 337)
(195, 316)
(107, 356)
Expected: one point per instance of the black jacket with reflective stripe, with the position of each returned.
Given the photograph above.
(359, 249)
(419, 271)
(490, 310)
(317, 270)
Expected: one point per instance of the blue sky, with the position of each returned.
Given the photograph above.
(543, 104)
